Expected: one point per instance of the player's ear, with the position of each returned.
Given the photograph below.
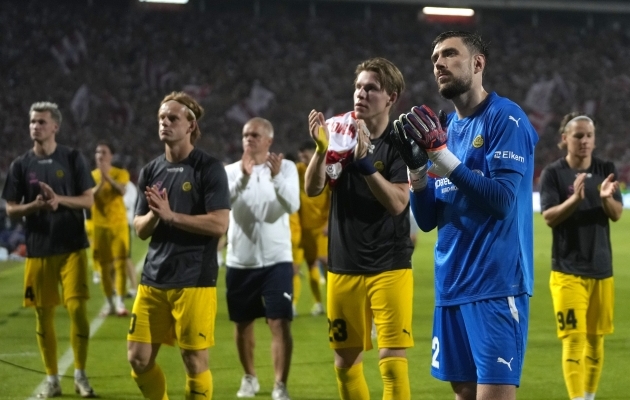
(392, 98)
(479, 62)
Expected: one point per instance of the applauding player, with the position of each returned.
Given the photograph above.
(479, 196)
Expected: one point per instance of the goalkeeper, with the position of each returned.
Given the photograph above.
(477, 190)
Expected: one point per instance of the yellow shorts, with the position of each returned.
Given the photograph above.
(110, 243)
(42, 276)
(165, 316)
(583, 305)
(315, 244)
(353, 300)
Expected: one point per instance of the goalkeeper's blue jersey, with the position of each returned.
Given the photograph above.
(478, 256)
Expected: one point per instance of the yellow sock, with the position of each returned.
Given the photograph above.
(395, 374)
(198, 386)
(106, 277)
(593, 362)
(313, 280)
(573, 363)
(79, 331)
(352, 384)
(297, 288)
(152, 383)
(46, 338)
(120, 266)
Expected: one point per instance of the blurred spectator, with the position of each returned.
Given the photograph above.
(107, 65)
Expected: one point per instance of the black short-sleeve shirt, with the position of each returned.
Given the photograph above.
(195, 186)
(581, 243)
(66, 172)
(364, 238)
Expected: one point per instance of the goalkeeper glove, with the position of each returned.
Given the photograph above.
(429, 132)
(413, 156)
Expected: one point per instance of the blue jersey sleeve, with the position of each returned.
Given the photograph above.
(496, 196)
(423, 207)
(510, 140)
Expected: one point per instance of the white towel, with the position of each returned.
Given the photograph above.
(342, 130)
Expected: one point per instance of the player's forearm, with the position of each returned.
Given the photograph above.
(145, 225)
(393, 196)
(315, 176)
(612, 208)
(555, 215)
(214, 223)
(119, 188)
(85, 200)
(15, 210)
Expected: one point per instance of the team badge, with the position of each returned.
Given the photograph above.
(59, 173)
(379, 166)
(478, 142)
(187, 186)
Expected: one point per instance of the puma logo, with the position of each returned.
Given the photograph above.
(202, 335)
(41, 334)
(406, 331)
(83, 336)
(594, 360)
(572, 360)
(287, 296)
(198, 393)
(502, 361)
(511, 118)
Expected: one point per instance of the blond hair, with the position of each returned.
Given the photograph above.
(195, 111)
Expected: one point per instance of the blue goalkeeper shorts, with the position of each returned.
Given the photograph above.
(482, 342)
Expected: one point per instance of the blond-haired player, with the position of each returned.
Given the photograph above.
(184, 209)
(50, 186)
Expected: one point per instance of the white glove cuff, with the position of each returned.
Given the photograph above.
(417, 178)
(444, 162)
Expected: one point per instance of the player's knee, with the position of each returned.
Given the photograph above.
(139, 363)
(195, 361)
(76, 307)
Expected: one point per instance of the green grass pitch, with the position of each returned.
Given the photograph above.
(312, 376)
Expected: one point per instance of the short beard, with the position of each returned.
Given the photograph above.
(456, 88)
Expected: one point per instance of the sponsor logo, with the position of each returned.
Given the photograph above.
(46, 161)
(175, 169)
(573, 361)
(478, 142)
(502, 361)
(287, 296)
(407, 332)
(59, 173)
(202, 335)
(510, 155)
(511, 118)
(187, 186)
(379, 166)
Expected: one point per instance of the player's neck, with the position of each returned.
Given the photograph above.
(467, 103)
(44, 148)
(377, 125)
(178, 152)
(580, 163)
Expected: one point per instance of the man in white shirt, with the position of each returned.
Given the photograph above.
(264, 190)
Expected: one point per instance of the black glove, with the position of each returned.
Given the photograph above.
(413, 155)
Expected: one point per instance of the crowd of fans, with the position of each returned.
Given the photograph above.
(108, 68)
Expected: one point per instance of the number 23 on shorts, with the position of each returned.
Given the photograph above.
(337, 331)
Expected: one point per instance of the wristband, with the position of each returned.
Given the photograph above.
(417, 178)
(444, 162)
(365, 166)
(321, 142)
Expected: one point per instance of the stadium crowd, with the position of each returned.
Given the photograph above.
(108, 66)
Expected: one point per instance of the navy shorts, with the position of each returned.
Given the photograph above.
(260, 292)
(482, 342)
